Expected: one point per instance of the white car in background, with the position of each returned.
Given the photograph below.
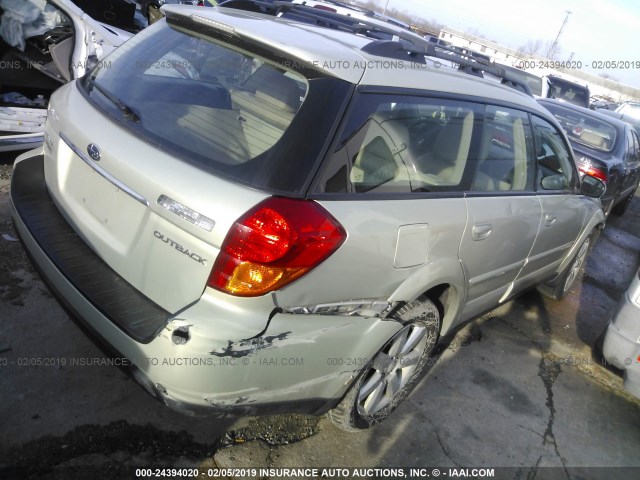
(622, 340)
(43, 45)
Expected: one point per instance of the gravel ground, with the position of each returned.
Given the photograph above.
(5, 177)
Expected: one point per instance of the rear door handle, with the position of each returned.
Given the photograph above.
(549, 219)
(481, 231)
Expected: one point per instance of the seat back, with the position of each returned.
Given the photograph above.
(502, 160)
(592, 139)
(450, 150)
(266, 112)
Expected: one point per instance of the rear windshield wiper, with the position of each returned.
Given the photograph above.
(128, 112)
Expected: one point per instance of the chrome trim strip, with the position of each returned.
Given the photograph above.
(102, 172)
(561, 248)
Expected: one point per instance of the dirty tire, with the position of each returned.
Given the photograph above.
(153, 14)
(394, 370)
(559, 288)
(621, 207)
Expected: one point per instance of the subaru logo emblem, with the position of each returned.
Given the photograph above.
(93, 151)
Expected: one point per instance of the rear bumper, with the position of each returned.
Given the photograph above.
(84, 270)
(194, 361)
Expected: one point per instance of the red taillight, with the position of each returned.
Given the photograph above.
(274, 243)
(594, 171)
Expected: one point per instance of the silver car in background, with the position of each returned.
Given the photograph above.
(267, 216)
(622, 339)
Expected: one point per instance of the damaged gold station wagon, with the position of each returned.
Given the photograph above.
(258, 232)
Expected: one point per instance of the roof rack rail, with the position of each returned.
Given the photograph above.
(466, 60)
(316, 16)
(387, 41)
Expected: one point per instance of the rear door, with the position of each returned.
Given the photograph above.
(503, 209)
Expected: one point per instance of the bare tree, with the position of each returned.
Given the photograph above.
(370, 4)
(531, 48)
(475, 32)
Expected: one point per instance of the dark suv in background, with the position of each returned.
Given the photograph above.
(565, 91)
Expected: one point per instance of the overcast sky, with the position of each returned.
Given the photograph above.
(597, 30)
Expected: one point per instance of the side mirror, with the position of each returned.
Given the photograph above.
(554, 182)
(592, 186)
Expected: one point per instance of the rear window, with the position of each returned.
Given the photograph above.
(568, 91)
(210, 103)
(584, 128)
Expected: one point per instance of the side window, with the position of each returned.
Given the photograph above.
(505, 155)
(629, 153)
(556, 170)
(395, 144)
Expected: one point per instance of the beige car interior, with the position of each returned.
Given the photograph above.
(257, 120)
(385, 156)
(593, 139)
(502, 167)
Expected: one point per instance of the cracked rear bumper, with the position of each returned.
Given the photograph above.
(205, 360)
